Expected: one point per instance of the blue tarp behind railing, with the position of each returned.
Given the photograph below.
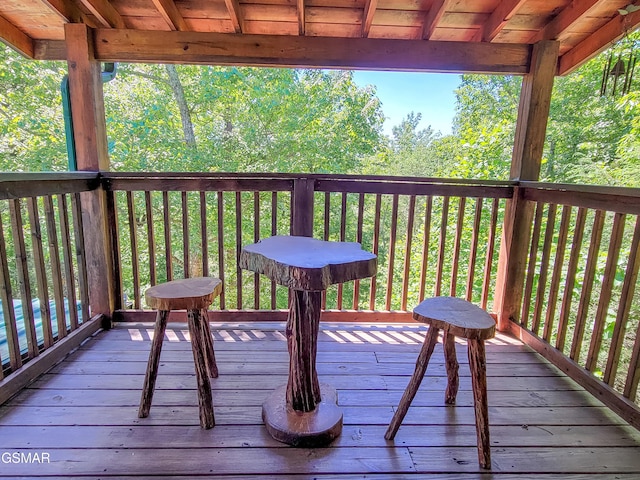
(17, 308)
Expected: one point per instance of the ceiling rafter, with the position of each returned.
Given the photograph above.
(16, 38)
(171, 15)
(432, 17)
(67, 10)
(105, 13)
(233, 6)
(565, 19)
(301, 19)
(370, 7)
(499, 18)
(602, 38)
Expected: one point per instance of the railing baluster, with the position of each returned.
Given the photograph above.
(587, 285)
(557, 271)
(486, 280)
(274, 231)
(343, 230)
(376, 243)
(220, 219)
(238, 249)
(531, 265)
(456, 247)
(392, 250)
(425, 246)
(565, 308)
(114, 233)
(544, 267)
(186, 261)
(38, 263)
(150, 239)
(624, 306)
(11, 328)
(256, 238)
(442, 245)
(68, 263)
(327, 226)
(605, 291)
(54, 260)
(474, 249)
(407, 249)
(22, 268)
(356, 285)
(83, 281)
(133, 235)
(204, 238)
(167, 236)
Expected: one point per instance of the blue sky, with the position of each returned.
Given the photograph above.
(400, 93)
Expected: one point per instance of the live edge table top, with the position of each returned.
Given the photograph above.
(305, 263)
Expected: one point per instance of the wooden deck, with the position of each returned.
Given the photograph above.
(82, 415)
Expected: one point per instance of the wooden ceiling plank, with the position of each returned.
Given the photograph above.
(433, 17)
(171, 15)
(367, 17)
(233, 6)
(499, 18)
(67, 10)
(16, 38)
(301, 19)
(566, 19)
(598, 41)
(105, 13)
(312, 52)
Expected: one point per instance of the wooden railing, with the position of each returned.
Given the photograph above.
(580, 298)
(43, 287)
(432, 236)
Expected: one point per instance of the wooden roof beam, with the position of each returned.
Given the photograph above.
(499, 18)
(566, 19)
(105, 13)
(367, 16)
(433, 17)
(171, 15)
(233, 6)
(602, 38)
(16, 38)
(309, 52)
(301, 19)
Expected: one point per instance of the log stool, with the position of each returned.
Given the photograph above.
(455, 317)
(194, 295)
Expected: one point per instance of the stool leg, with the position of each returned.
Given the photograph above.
(451, 363)
(210, 356)
(152, 364)
(204, 385)
(477, 363)
(414, 384)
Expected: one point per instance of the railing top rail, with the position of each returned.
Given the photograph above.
(614, 199)
(294, 176)
(22, 185)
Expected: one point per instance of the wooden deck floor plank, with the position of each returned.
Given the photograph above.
(203, 461)
(370, 476)
(363, 398)
(251, 367)
(255, 436)
(246, 415)
(270, 382)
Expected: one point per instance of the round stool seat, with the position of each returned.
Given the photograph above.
(186, 294)
(457, 316)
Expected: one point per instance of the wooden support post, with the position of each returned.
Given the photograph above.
(87, 108)
(302, 207)
(533, 113)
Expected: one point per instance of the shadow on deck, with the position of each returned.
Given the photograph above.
(82, 415)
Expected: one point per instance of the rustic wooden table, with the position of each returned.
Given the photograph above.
(304, 412)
